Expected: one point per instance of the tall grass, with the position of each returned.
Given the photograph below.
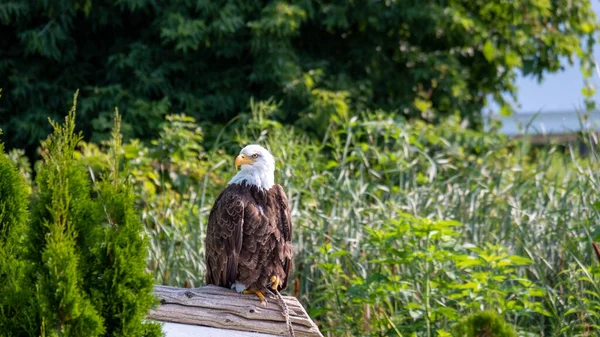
(399, 228)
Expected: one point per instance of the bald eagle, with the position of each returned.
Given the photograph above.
(249, 236)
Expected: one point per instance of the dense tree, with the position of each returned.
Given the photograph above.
(86, 245)
(17, 314)
(208, 58)
(63, 237)
(121, 288)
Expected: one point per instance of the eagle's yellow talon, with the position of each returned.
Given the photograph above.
(260, 295)
(275, 282)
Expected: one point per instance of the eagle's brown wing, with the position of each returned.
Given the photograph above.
(224, 238)
(285, 228)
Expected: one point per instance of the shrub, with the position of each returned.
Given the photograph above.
(86, 245)
(170, 178)
(120, 287)
(17, 311)
(64, 234)
(483, 324)
(417, 270)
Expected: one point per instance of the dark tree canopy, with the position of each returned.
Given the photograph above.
(208, 58)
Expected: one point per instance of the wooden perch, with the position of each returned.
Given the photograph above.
(222, 308)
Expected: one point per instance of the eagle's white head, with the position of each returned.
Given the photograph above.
(258, 167)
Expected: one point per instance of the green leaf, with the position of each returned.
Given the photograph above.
(587, 27)
(468, 261)
(339, 253)
(505, 110)
(488, 50)
(412, 305)
(519, 260)
(588, 91)
(512, 59)
(443, 333)
(422, 105)
(331, 164)
(536, 292)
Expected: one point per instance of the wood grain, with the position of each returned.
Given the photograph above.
(219, 307)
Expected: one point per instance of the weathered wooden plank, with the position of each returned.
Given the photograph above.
(223, 308)
(246, 306)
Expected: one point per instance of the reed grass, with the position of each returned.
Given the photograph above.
(399, 228)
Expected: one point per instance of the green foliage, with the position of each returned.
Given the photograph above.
(17, 313)
(483, 324)
(121, 287)
(169, 178)
(122, 292)
(22, 164)
(375, 250)
(417, 270)
(86, 246)
(207, 59)
(62, 225)
(491, 278)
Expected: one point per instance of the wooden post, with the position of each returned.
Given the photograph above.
(222, 308)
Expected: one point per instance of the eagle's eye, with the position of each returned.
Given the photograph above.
(255, 155)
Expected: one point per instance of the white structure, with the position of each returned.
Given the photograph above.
(185, 330)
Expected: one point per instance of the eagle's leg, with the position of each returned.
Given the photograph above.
(274, 282)
(258, 293)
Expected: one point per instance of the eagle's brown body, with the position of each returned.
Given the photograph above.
(249, 237)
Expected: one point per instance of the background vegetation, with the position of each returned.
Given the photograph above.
(400, 228)
(425, 59)
(73, 258)
(407, 216)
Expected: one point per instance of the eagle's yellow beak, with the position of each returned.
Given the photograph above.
(242, 159)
